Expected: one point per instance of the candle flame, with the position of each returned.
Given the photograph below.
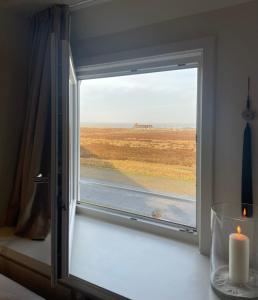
(238, 229)
(244, 212)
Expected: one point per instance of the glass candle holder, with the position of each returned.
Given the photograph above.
(234, 251)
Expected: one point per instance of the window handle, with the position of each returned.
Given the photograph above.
(40, 179)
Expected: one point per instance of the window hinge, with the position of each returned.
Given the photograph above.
(62, 205)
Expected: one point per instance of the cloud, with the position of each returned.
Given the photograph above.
(160, 97)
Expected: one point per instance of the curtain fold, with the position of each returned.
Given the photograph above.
(29, 207)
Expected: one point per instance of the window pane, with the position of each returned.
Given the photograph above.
(138, 144)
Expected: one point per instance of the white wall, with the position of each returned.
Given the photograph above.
(13, 57)
(116, 15)
(236, 30)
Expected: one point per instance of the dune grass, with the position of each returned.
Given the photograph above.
(154, 153)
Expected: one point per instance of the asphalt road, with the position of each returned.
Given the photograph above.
(140, 201)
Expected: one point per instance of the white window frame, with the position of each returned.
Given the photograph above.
(173, 56)
(74, 143)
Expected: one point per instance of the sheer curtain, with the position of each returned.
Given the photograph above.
(29, 208)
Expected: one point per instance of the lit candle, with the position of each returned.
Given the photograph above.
(238, 257)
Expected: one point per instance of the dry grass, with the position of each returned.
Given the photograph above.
(167, 153)
(143, 168)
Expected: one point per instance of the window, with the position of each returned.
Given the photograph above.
(193, 60)
(138, 143)
(192, 55)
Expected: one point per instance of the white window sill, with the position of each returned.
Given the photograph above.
(137, 264)
(35, 254)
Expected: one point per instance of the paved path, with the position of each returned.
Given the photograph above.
(140, 201)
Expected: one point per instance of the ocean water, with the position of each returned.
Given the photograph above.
(131, 125)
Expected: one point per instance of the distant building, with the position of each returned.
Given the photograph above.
(142, 126)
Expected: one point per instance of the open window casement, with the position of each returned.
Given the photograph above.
(64, 166)
(73, 143)
(64, 187)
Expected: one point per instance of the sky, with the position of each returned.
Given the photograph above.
(160, 97)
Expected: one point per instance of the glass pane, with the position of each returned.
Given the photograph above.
(138, 144)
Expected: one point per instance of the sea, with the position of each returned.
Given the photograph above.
(131, 125)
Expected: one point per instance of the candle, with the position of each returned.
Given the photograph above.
(238, 257)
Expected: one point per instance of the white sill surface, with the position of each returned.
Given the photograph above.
(37, 250)
(137, 264)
